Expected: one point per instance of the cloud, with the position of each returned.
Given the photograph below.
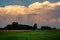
(13, 10)
(46, 10)
(38, 12)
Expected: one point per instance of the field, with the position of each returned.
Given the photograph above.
(30, 35)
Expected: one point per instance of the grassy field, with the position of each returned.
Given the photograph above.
(30, 35)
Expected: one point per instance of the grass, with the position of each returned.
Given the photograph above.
(30, 35)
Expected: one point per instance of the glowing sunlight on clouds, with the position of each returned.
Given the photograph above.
(45, 12)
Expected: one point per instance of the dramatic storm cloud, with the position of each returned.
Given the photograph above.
(42, 13)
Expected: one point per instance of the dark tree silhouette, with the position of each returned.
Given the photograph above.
(16, 26)
(1, 28)
(53, 28)
(15, 23)
(45, 27)
(34, 26)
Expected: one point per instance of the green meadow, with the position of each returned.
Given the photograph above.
(30, 35)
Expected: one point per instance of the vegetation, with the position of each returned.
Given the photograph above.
(17, 31)
(30, 35)
(16, 26)
(46, 27)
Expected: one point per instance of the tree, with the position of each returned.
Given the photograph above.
(45, 27)
(34, 26)
(16, 26)
(1, 28)
(12, 26)
(15, 23)
(53, 28)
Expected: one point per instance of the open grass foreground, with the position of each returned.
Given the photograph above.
(30, 35)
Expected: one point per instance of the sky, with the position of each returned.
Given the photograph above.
(22, 2)
(42, 12)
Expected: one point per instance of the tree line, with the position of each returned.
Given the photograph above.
(16, 26)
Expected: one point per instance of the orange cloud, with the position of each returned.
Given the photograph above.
(36, 7)
(13, 10)
(45, 12)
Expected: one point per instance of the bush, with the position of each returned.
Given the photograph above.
(45, 27)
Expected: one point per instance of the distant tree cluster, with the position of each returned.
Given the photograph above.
(46, 27)
(16, 26)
